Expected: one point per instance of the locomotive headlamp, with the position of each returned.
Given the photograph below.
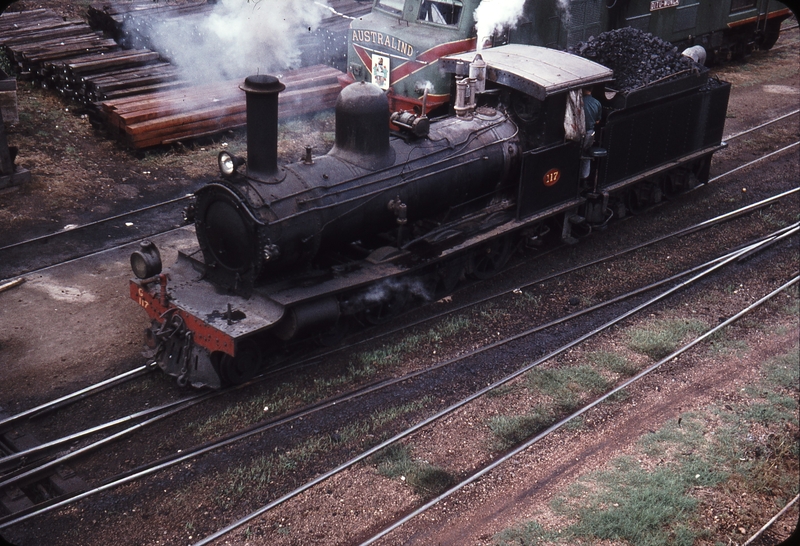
(146, 262)
(228, 163)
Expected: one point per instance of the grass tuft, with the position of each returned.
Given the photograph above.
(629, 503)
(426, 479)
(513, 430)
(613, 362)
(784, 370)
(566, 385)
(528, 533)
(661, 338)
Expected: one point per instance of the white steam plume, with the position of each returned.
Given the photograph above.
(494, 15)
(238, 38)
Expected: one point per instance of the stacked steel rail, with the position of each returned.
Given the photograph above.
(134, 92)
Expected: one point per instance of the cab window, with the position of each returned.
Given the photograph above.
(391, 5)
(741, 5)
(441, 12)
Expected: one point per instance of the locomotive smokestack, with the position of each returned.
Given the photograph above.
(262, 125)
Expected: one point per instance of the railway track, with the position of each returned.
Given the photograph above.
(495, 385)
(507, 293)
(555, 427)
(189, 454)
(76, 242)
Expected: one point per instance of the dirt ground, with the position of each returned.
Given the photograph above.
(80, 175)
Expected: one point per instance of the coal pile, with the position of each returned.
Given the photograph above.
(637, 58)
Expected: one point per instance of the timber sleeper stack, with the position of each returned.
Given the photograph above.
(137, 95)
(164, 118)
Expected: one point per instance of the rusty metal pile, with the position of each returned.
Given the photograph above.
(116, 16)
(139, 96)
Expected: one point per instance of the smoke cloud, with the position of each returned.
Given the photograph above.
(238, 38)
(494, 15)
(389, 289)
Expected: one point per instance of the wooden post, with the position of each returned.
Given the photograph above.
(9, 174)
(6, 165)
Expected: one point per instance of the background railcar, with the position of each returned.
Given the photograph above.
(399, 43)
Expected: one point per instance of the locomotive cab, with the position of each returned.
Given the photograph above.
(542, 90)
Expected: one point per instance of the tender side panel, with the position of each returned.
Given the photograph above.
(662, 132)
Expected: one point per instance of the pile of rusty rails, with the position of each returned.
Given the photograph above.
(134, 92)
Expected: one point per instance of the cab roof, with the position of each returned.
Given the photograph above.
(534, 70)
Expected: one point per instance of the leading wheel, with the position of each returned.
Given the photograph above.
(235, 370)
(447, 278)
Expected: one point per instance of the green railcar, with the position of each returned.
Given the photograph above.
(398, 45)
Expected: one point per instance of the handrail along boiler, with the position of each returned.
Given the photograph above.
(298, 250)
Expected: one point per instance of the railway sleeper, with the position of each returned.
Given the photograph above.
(16, 499)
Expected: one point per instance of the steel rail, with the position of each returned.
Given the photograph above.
(771, 242)
(95, 223)
(783, 46)
(88, 432)
(185, 404)
(442, 413)
(73, 397)
(769, 524)
(91, 254)
(753, 162)
(516, 451)
(757, 127)
(211, 446)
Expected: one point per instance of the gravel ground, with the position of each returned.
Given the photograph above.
(80, 326)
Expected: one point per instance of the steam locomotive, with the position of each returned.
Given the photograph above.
(393, 215)
(399, 43)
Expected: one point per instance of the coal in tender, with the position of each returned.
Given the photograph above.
(637, 58)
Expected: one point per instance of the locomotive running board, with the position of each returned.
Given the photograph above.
(515, 225)
(217, 319)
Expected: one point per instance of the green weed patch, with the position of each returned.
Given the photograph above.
(730, 451)
(662, 337)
